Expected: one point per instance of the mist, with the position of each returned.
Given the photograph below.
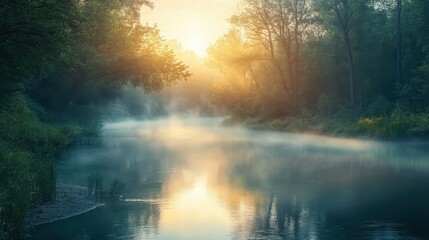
(267, 184)
(214, 119)
(187, 98)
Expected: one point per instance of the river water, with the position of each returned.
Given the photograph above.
(192, 179)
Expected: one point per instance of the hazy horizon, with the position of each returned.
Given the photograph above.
(176, 20)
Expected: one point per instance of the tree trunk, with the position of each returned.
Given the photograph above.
(297, 65)
(351, 68)
(398, 43)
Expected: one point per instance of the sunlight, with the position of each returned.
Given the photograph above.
(195, 38)
(193, 23)
(214, 119)
(179, 218)
(196, 44)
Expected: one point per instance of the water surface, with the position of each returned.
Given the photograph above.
(191, 179)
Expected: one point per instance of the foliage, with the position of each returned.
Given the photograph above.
(61, 61)
(341, 69)
(28, 149)
(380, 107)
(34, 36)
(398, 124)
(110, 47)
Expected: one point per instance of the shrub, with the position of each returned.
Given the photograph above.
(399, 124)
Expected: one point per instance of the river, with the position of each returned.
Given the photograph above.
(192, 179)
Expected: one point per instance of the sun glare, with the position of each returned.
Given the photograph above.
(195, 24)
(196, 44)
(195, 38)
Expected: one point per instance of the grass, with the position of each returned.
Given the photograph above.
(395, 126)
(412, 125)
(28, 149)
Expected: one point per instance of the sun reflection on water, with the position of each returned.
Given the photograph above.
(192, 212)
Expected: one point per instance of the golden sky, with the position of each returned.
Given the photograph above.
(194, 23)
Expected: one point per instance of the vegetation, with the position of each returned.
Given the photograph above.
(60, 63)
(113, 194)
(28, 150)
(327, 66)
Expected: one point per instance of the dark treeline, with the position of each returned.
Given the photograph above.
(61, 61)
(336, 66)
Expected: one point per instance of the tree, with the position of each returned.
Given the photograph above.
(398, 42)
(34, 36)
(238, 61)
(65, 53)
(344, 12)
(110, 48)
(279, 27)
(414, 88)
(232, 55)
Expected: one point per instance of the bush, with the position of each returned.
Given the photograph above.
(399, 124)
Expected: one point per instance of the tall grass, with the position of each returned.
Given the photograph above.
(28, 149)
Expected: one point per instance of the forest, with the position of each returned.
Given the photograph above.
(338, 67)
(345, 67)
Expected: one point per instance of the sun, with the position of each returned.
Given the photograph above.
(195, 24)
(196, 44)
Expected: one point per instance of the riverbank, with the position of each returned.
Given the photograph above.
(395, 127)
(70, 201)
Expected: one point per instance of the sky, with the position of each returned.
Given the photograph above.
(193, 23)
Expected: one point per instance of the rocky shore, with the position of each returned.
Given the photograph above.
(70, 201)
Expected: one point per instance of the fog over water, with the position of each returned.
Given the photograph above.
(190, 178)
